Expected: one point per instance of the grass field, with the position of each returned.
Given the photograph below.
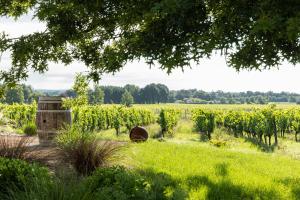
(193, 168)
(189, 166)
(200, 171)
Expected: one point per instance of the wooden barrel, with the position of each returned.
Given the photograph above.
(138, 134)
(50, 118)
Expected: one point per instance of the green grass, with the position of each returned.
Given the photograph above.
(201, 171)
(197, 169)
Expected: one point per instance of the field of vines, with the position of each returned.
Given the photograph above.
(267, 124)
(97, 118)
(262, 124)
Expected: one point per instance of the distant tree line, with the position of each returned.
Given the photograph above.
(151, 94)
(21, 94)
(220, 97)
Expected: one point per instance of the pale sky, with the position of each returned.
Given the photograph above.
(210, 75)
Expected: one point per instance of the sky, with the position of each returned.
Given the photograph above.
(210, 75)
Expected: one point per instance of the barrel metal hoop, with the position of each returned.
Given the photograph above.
(45, 101)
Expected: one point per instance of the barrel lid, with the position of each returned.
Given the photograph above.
(52, 98)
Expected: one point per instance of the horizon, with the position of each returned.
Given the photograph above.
(175, 90)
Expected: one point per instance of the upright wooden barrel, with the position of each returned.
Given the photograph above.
(50, 118)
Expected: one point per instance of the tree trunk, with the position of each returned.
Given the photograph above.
(296, 137)
(163, 133)
(275, 136)
(269, 140)
(265, 139)
(209, 135)
(260, 138)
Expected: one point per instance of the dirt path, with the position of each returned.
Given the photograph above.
(49, 155)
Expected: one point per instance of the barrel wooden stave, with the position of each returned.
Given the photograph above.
(50, 118)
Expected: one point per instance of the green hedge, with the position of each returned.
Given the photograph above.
(15, 175)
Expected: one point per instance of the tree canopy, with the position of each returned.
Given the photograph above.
(127, 99)
(81, 88)
(105, 35)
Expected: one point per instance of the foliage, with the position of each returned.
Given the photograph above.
(96, 96)
(117, 183)
(16, 174)
(30, 129)
(127, 99)
(154, 93)
(14, 95)
(106, 35)
(20, 114)
(168, 119)
(20, 94)
(80, 86)
(254, 121)
(258, 123)
(95, 118)
(296, 125)
(85, 152)
(204, 121)
(283, 119)
(270, 125)
(234, 120)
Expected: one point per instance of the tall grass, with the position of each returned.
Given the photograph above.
(86, 152)
(15, 147)
(30, 129)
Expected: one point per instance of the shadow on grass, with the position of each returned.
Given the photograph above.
(294, 184)
(202, 138)
(162, 185)
(225, 188)
(156, 135)
(260, 145)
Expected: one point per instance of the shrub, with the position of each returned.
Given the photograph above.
(64, 187)
(218, 142)
(30, 129)
(67, 137)
(20, 114)
(168, 119)
(117, 183)
(15, 147)
(16, 174)
(85, 152)
(204, 121)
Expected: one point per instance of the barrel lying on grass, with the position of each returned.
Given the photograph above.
(138, 134)
(50, 117)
